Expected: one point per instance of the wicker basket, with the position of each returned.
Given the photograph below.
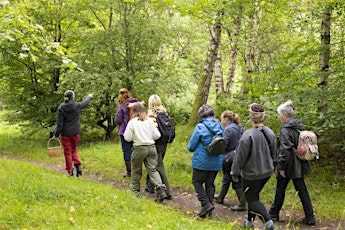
(54, 151)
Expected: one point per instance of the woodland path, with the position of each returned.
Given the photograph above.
(185, 201)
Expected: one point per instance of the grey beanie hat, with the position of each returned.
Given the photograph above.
(205, 111)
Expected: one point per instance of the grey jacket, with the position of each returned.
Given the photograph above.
(287, 159)
(68, 120)
(253, 159)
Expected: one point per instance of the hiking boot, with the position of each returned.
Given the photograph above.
(79, 171)
(270, 226)
(161, 194)
(205, 209)
(238, 208)
(243, 203)
(128, 174)
(274, 217)
(70, 174)
(208, 214)
(148, 190)
(223, 191)
(248, 225)
(309, 221)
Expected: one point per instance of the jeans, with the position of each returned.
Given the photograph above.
(252, 190)
(126, 148)
(303, 194)
(199, 178)
(70, 144)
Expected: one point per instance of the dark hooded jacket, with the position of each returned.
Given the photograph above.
(287, 159)
(68, 120)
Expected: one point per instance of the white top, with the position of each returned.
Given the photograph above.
(141, 132)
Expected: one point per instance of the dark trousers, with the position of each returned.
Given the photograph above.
(70, 144)
(227, 179)
(252, 190)
(303, 194)
(200, 178)
(126, 148)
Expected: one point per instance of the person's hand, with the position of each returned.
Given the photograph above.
(282, 173)
(91, 95)
(235, 179)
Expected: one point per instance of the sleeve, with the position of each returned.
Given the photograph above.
(59, 123)
(129, 132)
(119, 116)
(242, 154)
(85, 103)
(285, 147)
(156, 133)
(228, 133)
(194, 140)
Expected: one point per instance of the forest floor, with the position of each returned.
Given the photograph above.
(185, 201)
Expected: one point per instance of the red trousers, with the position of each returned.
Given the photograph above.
(70, 144)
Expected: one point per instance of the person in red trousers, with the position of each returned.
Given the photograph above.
(68, 127)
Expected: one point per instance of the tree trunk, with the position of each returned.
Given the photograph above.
(233, 52)
(325, 52)
(250, 54)
(218, 74)
(202, 92)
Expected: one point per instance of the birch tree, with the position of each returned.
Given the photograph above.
(325, 52)
(204, 83)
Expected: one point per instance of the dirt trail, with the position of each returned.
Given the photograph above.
(185, 201)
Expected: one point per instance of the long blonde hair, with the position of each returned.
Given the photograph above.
(155, 105)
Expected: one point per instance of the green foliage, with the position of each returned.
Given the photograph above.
(47, 47)
(53, 195)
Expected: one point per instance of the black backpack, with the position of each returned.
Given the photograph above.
(166, 127)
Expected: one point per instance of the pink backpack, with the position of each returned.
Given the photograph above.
(307, 148)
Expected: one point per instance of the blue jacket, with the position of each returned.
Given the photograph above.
(201, 136)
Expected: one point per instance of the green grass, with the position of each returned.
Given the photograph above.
(36, 198)
(105, 158)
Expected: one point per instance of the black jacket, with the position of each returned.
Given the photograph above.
(68, 120)
(287, 159)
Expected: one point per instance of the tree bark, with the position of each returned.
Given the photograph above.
(218, 74)
(202, 92)
(233, 52)
(250, 53)
(325, 52)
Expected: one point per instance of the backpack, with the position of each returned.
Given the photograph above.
(166, 127)
(307, 148)
(217, 145)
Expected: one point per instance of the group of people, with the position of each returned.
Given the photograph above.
(138, 131)
(251, 155)
(250, 160)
